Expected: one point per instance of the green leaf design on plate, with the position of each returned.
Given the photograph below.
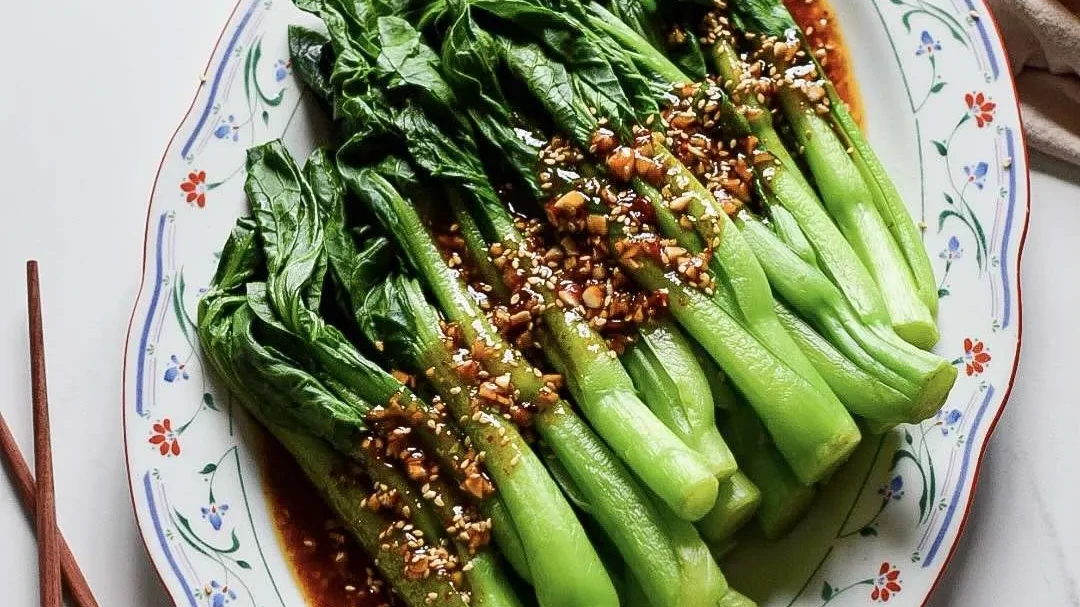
(208, 469)
(941, 147)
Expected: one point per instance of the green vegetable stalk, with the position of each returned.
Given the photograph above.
(358, 273)
(583, 456)
(857, 191)
(663, 367)
(290, 402)
(607, 397)
(739, 500)
(832, 427)
(817, 438)
(623, 511)
(784, 500)
(667, 466)
(854, 303)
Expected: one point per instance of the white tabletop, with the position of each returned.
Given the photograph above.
(93, 90)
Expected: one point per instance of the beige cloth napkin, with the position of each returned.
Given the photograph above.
(1042, 38)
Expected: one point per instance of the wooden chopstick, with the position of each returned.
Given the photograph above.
(45, 513)
(77, 586)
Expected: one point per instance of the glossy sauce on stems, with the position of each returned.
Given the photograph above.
(819, 15)
(328, 564)
(331, 569)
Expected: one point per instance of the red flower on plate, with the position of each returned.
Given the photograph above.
(980, 108)
(886, 584)
(976, 356)
(195, 188)
(165, 439)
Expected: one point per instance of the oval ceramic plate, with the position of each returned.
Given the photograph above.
(940, 109)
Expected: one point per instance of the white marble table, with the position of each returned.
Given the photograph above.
(91, 92)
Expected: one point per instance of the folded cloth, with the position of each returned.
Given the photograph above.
(1042, 38)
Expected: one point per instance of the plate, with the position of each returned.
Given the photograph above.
(939, 107)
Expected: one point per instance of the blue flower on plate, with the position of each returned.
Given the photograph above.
(281, 69)
(927, 45)
(176, 370)
(228, 129)
(948, 420)
(976, 174)
(894, 489)
(214, 514)
(952, 250)
(219, 594)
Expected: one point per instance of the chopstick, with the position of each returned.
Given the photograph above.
(77, 586)
(47, 536)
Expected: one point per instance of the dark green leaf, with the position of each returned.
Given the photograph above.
(690, 57)
(312, 60)
(208, 401)
(357, 268)
(582, 56)
(397, 312)
(639, 16)
(766, 17)
(243, 564)
(408, 61)
(826, 591)
(941, 147)
(937, 86)
(907, 438)
(288, 222)
(868, 532)
(551, 84)
(208, 469)
(471, 59)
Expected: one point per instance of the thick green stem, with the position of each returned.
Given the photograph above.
(348, 498)
(735, 265)
(663, 462)
(665, 371)
(645, 533)
(739, 499)
(835, 256)
(815, 435)
(606, 395)
(565, 568)
(784, 500)
(887, 199)
(732, 70)
(788, 229)
(851, 204)
(859, 390)
(639, 48)
(924, 377)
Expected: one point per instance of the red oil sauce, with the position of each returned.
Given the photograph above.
(327, 563)
(825, 33)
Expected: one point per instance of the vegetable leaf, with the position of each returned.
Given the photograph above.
(313, 60)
